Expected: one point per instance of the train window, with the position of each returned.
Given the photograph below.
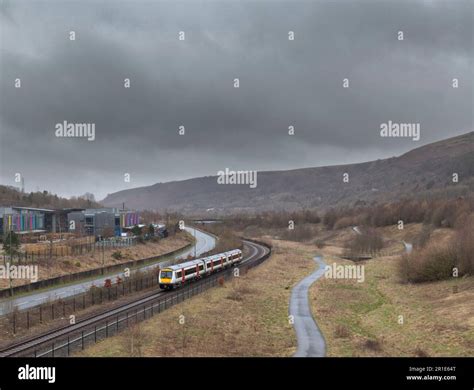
(201, 267)
(166, 274)
(178, 274)
(190, 271)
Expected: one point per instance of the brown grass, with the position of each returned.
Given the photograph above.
(247, 316)
(436, 321)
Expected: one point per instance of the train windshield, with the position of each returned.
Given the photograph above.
(166, 274)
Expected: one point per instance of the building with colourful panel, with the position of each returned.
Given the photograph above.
(129, 218)
(25, 219)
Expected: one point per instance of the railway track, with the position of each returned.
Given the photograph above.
(70, 337)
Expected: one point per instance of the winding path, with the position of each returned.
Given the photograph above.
(310, 340)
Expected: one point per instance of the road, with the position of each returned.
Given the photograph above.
(204, 243)
(310, 340)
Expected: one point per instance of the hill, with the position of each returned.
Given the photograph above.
(426, 171)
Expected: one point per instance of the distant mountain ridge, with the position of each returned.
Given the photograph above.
(424, 171)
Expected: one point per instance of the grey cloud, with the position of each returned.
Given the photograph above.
(190, 83)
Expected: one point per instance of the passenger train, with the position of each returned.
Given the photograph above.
(178, 274)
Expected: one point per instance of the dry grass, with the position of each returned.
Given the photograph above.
(436, 322)
(247, 316)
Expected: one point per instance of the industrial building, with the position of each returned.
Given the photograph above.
(97, 222)
(102, 221)
(25, 220)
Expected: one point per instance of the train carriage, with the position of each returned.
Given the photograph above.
(178, 274)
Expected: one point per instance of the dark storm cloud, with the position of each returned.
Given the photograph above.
(190, 83)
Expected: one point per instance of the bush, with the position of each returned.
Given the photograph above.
(299, 233)
(330, 218)
(369, 242)
(320, 244)
(464, 244)
(117, 255)
(77, 264)
(436, 261)
(373, 345)
(345, 222)
(423, 237)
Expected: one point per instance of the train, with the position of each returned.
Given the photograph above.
(178, 274)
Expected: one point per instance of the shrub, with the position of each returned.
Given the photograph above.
(330, 218)
(436, 261)
(464, 244)
(423, 237)
(345, 222)
(369, 242)
(420, 352)
(320, 244)
(117, 255)
(299, 233)
(373, 345)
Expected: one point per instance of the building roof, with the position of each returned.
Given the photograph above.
(28, 208)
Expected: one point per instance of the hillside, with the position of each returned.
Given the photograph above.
(424, 171)
(10, 196)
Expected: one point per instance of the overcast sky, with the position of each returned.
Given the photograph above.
(191, 83)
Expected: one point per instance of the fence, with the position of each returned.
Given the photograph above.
(23, 320)
(89, 273)
(50, 251)
(131, 314)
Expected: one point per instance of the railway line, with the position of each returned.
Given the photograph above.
(68, 339)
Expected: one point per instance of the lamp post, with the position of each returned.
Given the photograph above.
(195, 243)
(9, 272)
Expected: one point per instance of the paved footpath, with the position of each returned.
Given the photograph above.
(310, 340)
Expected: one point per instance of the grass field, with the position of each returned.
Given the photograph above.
(247, 316)
(363, 319)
